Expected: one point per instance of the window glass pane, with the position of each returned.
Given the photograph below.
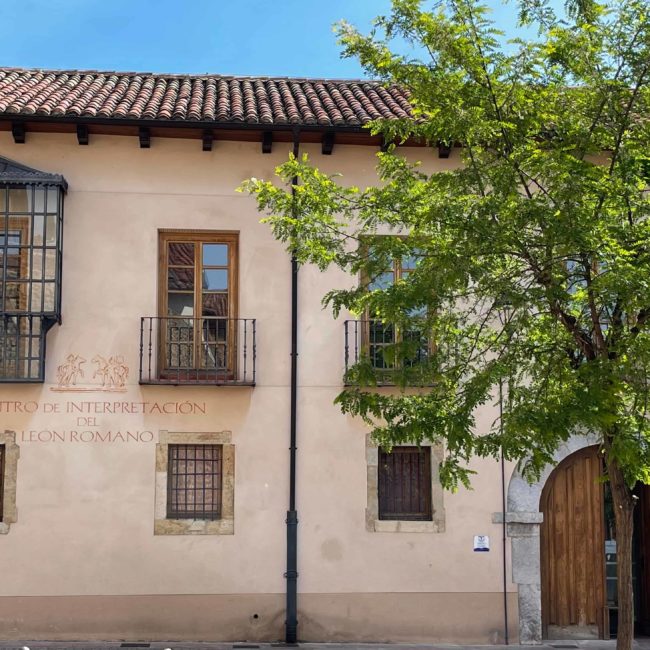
(19, 200)
(37, 297)
(180, 304)
(381, 332)
(50, 264)
(17, 263)
(214, 336)
(215, 279)
(39, 230)
(180, 279)
(34, 367)
(180, 254)
(52, 200)
(215, 304)
(39, 200)
(18, 228)
(12, 241)
(179, 343)
(215, 254)
(15, 296)
(48, 303)
(213, 355)
(409, 262)
(382, 281)
(50, 230)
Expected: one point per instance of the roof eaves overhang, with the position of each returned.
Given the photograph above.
(188, 124)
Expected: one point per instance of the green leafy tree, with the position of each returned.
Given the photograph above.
(533, 254)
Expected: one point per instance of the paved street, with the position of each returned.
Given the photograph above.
(641, 644)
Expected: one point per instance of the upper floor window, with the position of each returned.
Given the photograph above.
(380, 336)
(198, 337)
(386, 345)
(31, 228)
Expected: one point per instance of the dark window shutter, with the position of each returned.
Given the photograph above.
(405, 484)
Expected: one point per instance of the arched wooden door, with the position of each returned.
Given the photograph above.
(573, 549)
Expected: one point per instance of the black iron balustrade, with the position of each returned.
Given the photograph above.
(210, 350)
(373, 342)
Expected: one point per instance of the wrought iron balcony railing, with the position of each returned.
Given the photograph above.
(209, 350)
(380, 350)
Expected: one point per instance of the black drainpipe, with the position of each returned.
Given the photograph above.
(291, 623)
(503, 524)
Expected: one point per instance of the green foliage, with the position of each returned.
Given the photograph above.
(533, 255)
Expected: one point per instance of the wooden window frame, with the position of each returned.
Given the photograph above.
(388, 461)
(199, 237)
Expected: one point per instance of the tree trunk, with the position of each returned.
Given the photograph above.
(623, 516)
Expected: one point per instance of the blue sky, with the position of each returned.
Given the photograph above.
(244, 37)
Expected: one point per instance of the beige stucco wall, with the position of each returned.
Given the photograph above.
(86, 509)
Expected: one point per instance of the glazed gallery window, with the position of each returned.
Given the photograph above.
(31, 222)
(404, 484)
(198, 308)
(194, 482)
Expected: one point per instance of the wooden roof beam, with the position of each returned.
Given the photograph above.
(267, 141)
(144, 136)
(82, 134)
(444, 150)
(208, 139)
(328, 143)
(18, 131)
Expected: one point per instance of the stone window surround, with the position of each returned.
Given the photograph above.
(223, 526)
(12, 453)
(376, 525)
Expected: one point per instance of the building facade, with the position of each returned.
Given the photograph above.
(145, 403)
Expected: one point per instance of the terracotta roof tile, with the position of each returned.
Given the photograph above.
(194, 98)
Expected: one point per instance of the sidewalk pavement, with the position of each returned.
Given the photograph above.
(640, 644)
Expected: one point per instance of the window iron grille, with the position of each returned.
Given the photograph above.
(194, 481)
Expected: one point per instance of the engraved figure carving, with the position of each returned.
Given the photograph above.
(67, 373)
(113, 371)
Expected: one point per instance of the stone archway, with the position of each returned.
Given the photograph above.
(523, 520)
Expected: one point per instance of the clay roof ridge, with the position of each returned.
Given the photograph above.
(193, 75)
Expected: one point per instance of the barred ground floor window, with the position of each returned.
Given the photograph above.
(195, 479)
